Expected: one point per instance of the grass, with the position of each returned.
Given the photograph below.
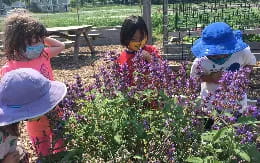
(238, 18)
(113, 15)
(96, 16)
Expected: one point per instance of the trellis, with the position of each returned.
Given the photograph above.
(183, 21)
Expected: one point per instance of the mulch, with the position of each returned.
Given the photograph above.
(65, 69)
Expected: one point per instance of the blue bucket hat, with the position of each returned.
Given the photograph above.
(218, 38)
(27, 94)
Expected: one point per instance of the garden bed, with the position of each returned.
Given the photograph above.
(65, 70)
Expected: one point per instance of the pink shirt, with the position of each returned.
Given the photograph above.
(41, 64)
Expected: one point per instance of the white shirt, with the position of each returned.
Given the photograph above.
(236, 61)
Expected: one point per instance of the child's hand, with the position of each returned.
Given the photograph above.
(13, 157)
(216, 76)
(146, 56)
(55, 46)
(213, 77)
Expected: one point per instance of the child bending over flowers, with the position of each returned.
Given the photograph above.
(220, 49)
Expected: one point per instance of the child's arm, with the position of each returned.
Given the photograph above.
(249, 59)
(198, 71)
(55, 46)
(13, 157)
(146, 56)
(147, 52)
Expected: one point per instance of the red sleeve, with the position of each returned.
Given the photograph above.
(125, 58)
(122, 58)
(152, 50)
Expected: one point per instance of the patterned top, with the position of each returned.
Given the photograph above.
(234, 63)
(41, 64)
(8, 144)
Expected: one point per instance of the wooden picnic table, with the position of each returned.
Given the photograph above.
(73, 33)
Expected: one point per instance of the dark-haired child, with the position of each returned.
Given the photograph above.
(134, 36)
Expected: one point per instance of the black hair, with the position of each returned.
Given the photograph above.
(130, 26)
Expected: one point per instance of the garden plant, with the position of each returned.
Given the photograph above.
(157, 116)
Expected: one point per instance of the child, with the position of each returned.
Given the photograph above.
(24, 45)
(134, 36)
(24, 94)
(218, 50)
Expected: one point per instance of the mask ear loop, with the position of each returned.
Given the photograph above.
(43, 52)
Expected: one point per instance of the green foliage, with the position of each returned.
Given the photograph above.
(117, 128)
(189, 40)
(252, 38)
(223, 146)
(157, 22)
(146, 122)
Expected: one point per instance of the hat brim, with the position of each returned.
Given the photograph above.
(11, 114)
(201, 49)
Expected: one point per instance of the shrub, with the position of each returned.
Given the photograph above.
(157, 116)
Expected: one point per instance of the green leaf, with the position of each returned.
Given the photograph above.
(68, 155)
(243, 155)
(214, 113)
(138, 157)
(211, 159)
(219, 134)
(228, 114)
(246, 119)
(252, 151)
(219, 150)
(194, 159)
(208, 136)
(167, 106)
(118, 138)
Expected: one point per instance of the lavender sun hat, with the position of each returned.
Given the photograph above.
(218, 38)
(26, 94)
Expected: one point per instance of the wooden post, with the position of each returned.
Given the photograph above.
(89, 44)
(76, 48)
(165, 22)
(1, 7)
(147, 18)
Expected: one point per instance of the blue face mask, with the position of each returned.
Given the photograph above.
(220, 61)
(34, 51)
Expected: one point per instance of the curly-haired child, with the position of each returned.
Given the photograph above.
(26, 46)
